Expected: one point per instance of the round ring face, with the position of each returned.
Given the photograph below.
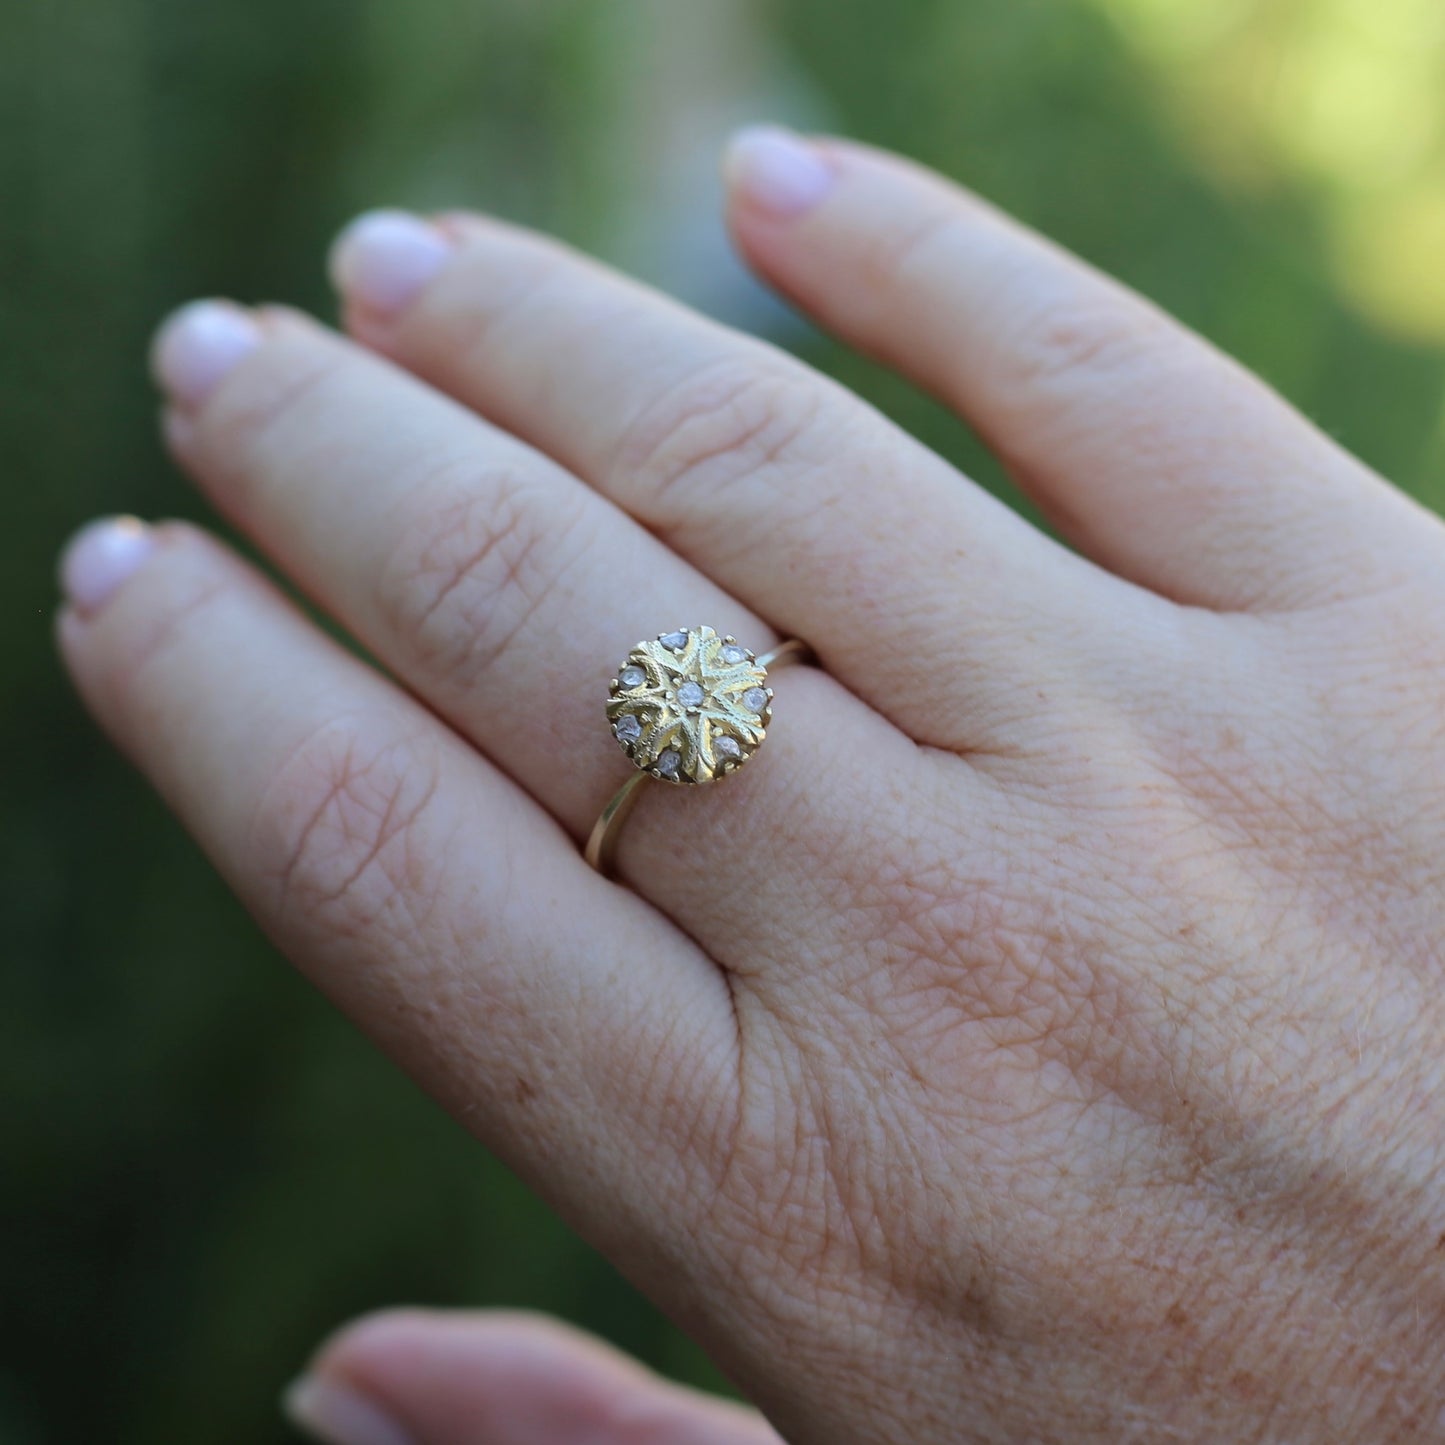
(691, 706)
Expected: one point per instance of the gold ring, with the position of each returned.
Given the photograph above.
(688, 708)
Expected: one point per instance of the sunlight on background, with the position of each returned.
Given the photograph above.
(205, 1168)
(1340, 101)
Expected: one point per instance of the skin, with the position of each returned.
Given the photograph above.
(1041, 1039)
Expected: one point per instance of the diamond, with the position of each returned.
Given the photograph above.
(689, 706)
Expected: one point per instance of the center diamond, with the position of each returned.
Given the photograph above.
(689, 706)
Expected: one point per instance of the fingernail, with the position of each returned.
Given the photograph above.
(198, 345)
(100, 557)
(777, 171)
(338, 1415)
(384, 259)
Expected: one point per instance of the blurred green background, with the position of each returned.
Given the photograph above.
(202, 1169)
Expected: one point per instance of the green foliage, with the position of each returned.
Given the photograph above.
(201, 1168)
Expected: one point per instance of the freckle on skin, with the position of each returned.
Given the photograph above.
(524, 1091)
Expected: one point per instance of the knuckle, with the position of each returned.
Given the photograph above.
(1072, 327)
(901, 257)
(714, 431)
(274, 398)
(516, 277)
(192, 597)
(341, 832)
(467, 575)
(979, 949)
(1083, 340)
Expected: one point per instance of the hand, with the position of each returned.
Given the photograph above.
(1041, 1040)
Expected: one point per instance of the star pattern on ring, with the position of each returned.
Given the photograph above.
(689, 706)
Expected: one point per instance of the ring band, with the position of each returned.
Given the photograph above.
(689, 707)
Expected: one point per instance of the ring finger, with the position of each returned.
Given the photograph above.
(505, 592)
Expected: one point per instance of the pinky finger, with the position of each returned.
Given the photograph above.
(413, 1377)
(411, 880)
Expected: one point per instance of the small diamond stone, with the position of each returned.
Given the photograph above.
(755, 699)
(726, 747)
(675, 640)
(669, 762)
(629, 728)
(733, 653)
(632, 677)
(690, 695)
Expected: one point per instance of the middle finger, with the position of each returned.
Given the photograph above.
(505, 592)
(738, 455)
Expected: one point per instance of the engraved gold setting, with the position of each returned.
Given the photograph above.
(690, 706)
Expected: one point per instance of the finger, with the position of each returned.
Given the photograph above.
(506, 593)
(786, 489)
(413, 1377)
(1153, 453)
(411, 881)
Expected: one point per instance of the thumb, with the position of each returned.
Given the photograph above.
(416, 1377)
